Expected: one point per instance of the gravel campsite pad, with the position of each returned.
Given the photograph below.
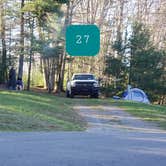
(105, 118)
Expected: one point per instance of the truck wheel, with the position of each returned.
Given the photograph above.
(71, 94)
(95, 96)
(67, 93)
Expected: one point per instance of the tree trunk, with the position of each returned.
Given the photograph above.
(49, 65)
(21, 58)
(120, 21)
(3, 67)
(63, 60)
(31, 24)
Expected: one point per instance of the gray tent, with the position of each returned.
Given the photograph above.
(136, 94)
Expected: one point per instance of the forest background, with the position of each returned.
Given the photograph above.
(133, 43)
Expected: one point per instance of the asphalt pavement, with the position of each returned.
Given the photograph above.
(110, 140)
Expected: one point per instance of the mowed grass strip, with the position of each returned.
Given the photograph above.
(30, 111)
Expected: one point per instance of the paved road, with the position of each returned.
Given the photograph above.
(113, 138)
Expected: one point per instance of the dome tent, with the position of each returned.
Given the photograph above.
(136, 94)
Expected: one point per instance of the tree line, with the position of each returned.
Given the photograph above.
(133, 43)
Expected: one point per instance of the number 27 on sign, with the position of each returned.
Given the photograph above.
(82, 39)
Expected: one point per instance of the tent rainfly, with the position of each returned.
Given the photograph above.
(136, 94)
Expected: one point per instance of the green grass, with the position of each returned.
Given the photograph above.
(29, 111)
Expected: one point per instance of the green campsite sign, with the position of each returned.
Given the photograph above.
(82, 40)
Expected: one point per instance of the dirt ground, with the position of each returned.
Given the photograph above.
(102, 118)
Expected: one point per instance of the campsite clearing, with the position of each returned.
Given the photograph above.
(148, 112)
(31, 111)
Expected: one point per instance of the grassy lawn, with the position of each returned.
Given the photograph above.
(29, 111)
